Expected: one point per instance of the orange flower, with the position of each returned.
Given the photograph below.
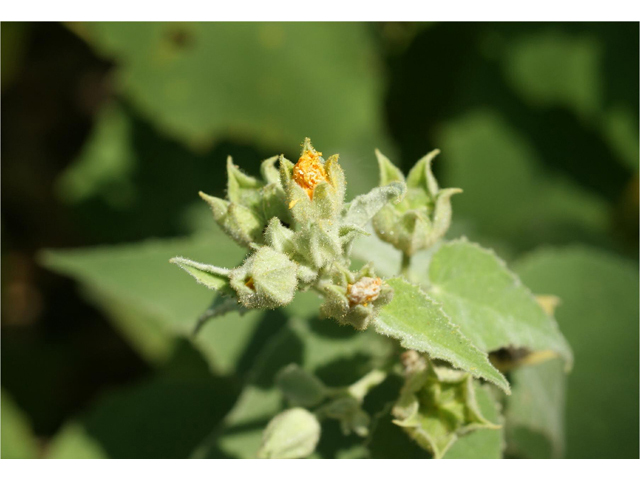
(309, 171)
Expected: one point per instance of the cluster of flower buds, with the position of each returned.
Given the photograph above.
(299, 230)
(423, 216)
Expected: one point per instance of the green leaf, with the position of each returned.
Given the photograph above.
(140, 278)
(484, 443)
(553, 68)
(489, 303)
(599, 316)
(18, 440)
(105, 164)
(508, 195)
(189, 80)
(538, 406)
(163, 417)
(293, 433)
(336, 355)
(421, 324)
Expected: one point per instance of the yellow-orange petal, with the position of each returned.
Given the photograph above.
(309, 171)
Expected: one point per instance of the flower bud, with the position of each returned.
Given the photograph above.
(355, 298)
(239, 222)
(293, 433)
(423, 216)
(267, 279)
(315, 188)
(437, 405)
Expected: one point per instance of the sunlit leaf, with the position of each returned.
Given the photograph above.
(489, 303)
(421, 324)
(140, 276)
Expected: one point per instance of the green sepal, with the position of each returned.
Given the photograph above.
(299, 204)
(215, 278)
(286, 171)
(326, 201)
(267, 279)
(347, 234)
(388, 171)
(339, 305)
(268, 170)
(242, 188)
(240, 223)
(442, 215)
(437, 405)
(306, 276)
(421, 175)
(279, 237)
(274, 203)
(336, 177)
(316, 246)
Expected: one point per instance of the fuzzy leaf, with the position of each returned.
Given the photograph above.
(362, 208)
(154, 296)
(489, 303)
(212, 277)
(421, 324)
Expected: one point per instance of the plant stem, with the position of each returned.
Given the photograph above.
(406, 263)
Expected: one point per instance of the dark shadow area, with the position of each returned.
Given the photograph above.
(330, 329)
(272, 323)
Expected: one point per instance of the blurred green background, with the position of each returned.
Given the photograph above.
(110, 130)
